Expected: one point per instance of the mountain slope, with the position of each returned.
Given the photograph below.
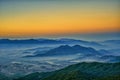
(81, 71)
(3, 77)
(68, 50)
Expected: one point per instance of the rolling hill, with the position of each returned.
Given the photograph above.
(80, 71)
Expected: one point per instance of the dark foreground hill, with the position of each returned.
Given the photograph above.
(81, 71)
(3, 77)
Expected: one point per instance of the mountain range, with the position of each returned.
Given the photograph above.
(67, 50)
(95, 44)
(82, 54)
(48, 41)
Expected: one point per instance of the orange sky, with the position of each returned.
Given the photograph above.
(59, 21)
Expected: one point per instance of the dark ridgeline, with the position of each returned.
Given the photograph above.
(81, 71)
(68, 50)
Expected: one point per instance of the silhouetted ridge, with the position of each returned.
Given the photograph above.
(64, 47)
(50, 41)
(69, 50)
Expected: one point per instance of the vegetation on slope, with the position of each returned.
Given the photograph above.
(81, 71)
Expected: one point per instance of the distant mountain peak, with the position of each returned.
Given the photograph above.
(69, 50)
(77, 46)
(64, 46)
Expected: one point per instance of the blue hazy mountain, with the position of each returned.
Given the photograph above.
(112, 42)
(110, 58)
(115, 51)
(62, 41)
(55, 54)
(74, 41)
(105, 52)
(103, 44)
(28, 41)
(68, 50)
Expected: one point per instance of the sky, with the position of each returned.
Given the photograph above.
(59, 18)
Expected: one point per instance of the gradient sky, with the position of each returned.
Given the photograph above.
(44, 18)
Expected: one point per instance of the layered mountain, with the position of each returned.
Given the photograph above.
(28, 41)
(110, 58)
(111, 44)
(50, 41)
(82, 42)
(80, 71)
(68, 50)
